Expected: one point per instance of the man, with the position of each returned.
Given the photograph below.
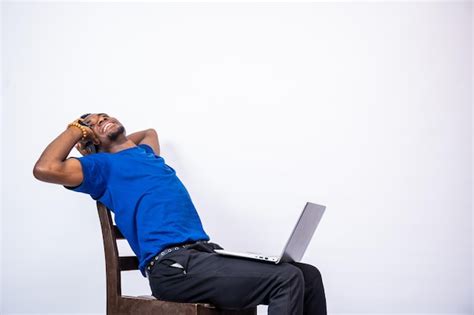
(154, 211)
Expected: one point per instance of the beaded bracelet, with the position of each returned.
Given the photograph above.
(84, 131)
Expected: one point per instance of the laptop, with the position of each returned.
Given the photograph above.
(297, 243)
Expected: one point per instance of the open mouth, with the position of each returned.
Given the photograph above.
(107, 126)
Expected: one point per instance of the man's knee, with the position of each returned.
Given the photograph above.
(311, 273)
(293, 274)
(314, 272)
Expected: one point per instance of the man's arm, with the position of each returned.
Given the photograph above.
(52, 165)
(148, 136)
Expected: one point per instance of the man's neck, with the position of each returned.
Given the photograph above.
(126, 145)
(122, 143)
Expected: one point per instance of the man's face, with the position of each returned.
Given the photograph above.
(106, 128)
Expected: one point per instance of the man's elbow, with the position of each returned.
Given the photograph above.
(152, 131)
(40, 172)
(44, 172)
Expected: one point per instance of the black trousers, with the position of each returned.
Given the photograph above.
(197, 274)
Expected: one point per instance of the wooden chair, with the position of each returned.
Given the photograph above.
(141, 305)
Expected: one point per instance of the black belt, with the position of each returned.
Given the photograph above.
(168, 250)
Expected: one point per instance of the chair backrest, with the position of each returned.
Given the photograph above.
(114, 263)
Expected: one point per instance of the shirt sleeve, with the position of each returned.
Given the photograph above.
(94, 170)
(147, 148)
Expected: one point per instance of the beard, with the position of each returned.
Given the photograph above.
(113, 136)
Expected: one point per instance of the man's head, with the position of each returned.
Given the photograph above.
(106, 129)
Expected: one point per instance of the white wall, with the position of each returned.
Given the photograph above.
(363, 107)
(472, 152)
(1, 162)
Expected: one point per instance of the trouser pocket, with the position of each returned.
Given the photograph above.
(168, 274)
(173, 264)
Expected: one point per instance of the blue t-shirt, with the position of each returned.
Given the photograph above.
(152, 208)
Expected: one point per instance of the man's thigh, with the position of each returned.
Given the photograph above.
(224, 281)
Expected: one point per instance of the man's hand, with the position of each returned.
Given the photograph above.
(87, 146)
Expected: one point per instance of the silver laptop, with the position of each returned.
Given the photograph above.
(297, 243)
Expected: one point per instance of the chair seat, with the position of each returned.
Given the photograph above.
(144, 305)
(151, 297)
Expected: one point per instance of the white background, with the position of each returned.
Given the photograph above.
(363, 107)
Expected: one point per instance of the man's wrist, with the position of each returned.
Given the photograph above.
(78, 128)
(75, 133)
